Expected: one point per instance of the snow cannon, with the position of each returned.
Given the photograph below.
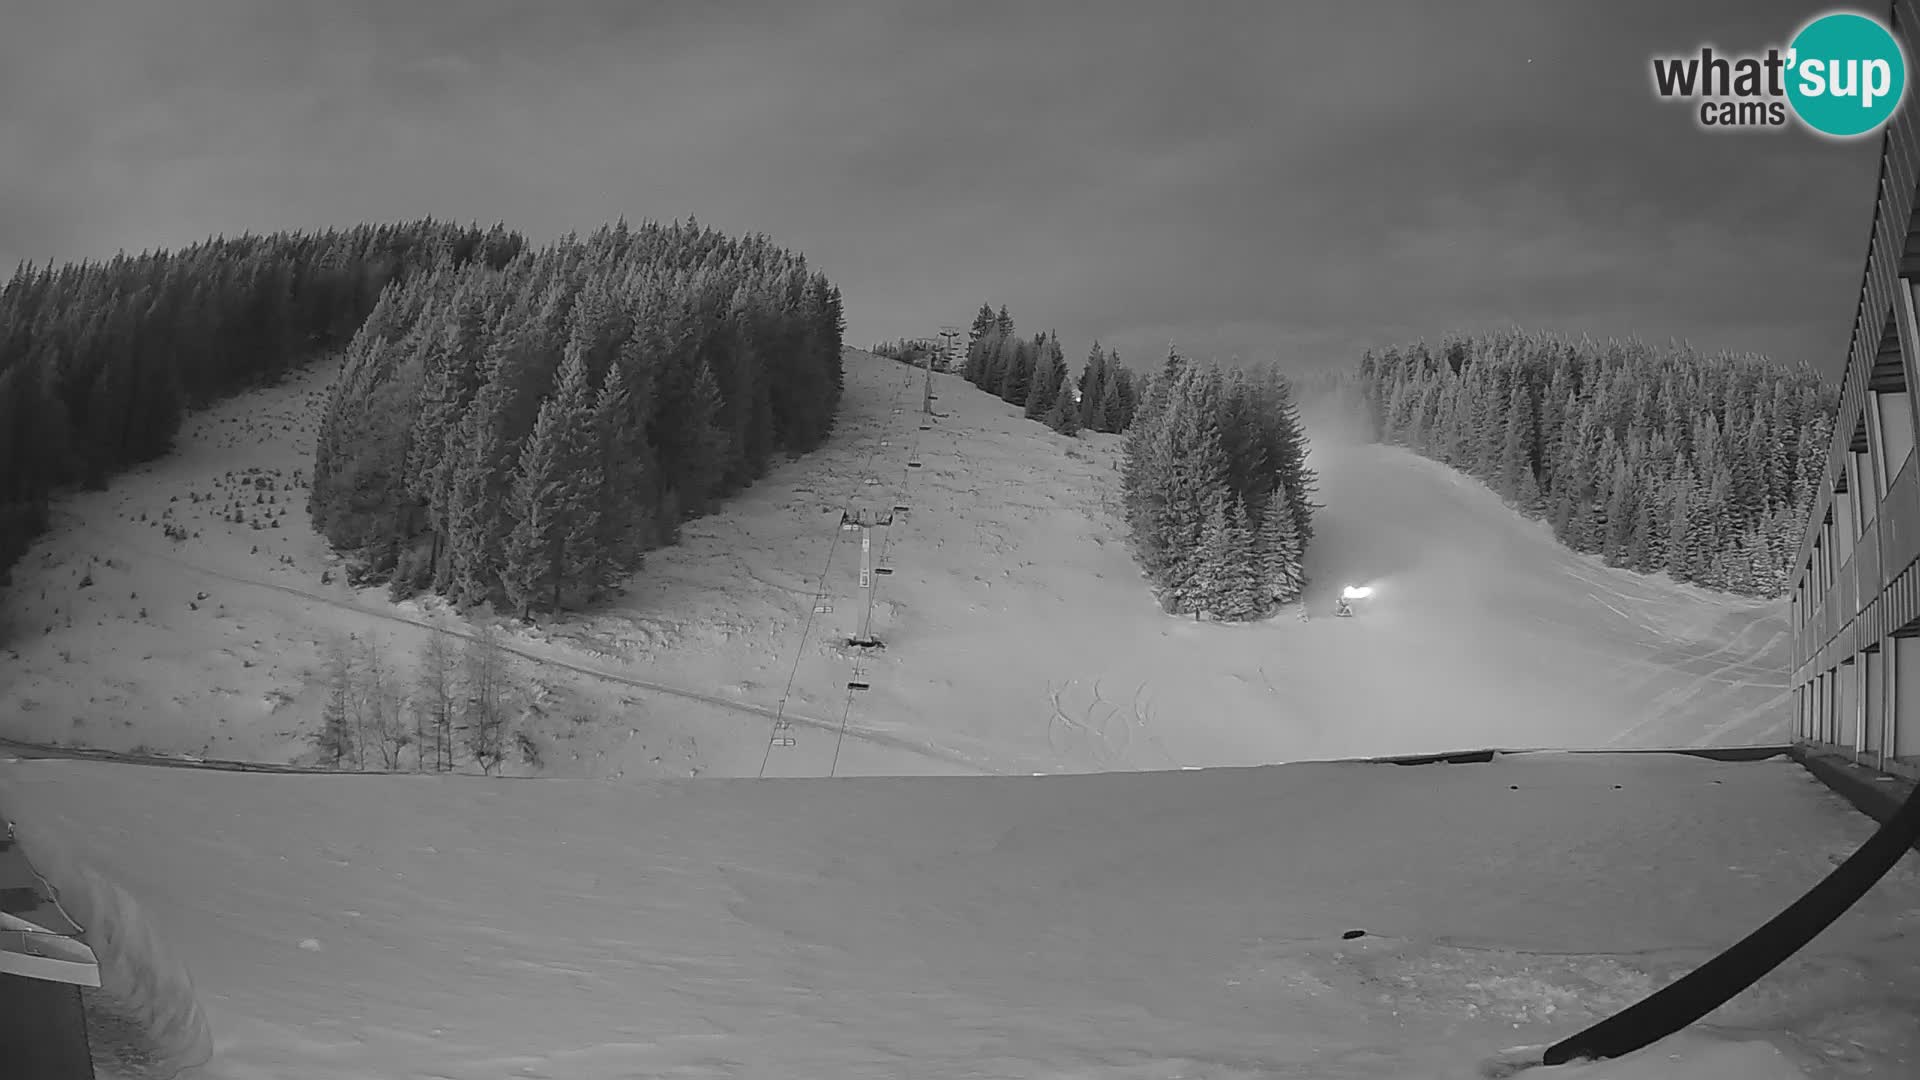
(1343, 607)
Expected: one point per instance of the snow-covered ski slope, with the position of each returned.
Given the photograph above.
(1019, 637)
(1146, 926)
(1140, 926)
(1525, 642)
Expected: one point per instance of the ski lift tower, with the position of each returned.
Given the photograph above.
(951, 356)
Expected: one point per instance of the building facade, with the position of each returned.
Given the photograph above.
(1856, 589)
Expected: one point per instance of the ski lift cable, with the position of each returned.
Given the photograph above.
(806, 631)
(859, 680)
(800, 649)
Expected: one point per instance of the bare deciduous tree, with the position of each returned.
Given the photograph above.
(433, 705)
(486, 698)
(335, 739)
(380, 702)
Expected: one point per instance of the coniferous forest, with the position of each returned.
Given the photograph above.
(1217, 491)
(913, 352)
(509, 425)
(1217, 495)
(1659, 460)
(1032, 373)
(100, 361)
(522, 435)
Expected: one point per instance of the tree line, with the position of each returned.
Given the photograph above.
(1032, 373)
(522, 434)
(1217, 492)
(1656, 459)
(913, 352)
(101, 361)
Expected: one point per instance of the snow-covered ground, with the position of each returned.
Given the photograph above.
(1140, 926)
(1018, 635)
(1146, 926)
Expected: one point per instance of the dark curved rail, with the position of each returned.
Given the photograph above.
(1713, 983)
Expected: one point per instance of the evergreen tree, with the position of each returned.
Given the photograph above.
(1209, 579)
(1049, 379)
(1278, 550)
(1016, 378)
(1064, 417)
(1093, 387)
(1110, 413)
(1618, 521)
(1517, 452)
(626, 471)
(984, 323)
(1640, 549)
(1130, 393)
(535, 547)
(1171, 368)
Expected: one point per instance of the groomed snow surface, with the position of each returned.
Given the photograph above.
(1126, 920)
(1141, 926)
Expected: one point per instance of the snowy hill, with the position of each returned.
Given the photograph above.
(1144, 926)
(1018, 635)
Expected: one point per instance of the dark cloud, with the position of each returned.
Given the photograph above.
(1291, 181)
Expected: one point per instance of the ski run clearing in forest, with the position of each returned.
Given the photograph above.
(1019, 634)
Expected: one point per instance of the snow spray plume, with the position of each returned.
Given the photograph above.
(1713, 983)
(137, 974)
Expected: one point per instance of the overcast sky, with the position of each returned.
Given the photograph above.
(1291, 179)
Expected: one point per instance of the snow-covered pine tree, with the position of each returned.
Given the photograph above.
(1129, 394)
(1204, 585)
(1278, 551)
(1064, 417)
(1049, 376)
(1109, 413)
(1092, 386)
(984, 323)
(1239, 588)
(531, 568)
(625, 518)
(1016, 381)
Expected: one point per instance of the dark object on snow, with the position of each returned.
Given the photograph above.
(1713, 983)
(1351, 934)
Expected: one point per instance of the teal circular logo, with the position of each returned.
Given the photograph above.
(1846, 74)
